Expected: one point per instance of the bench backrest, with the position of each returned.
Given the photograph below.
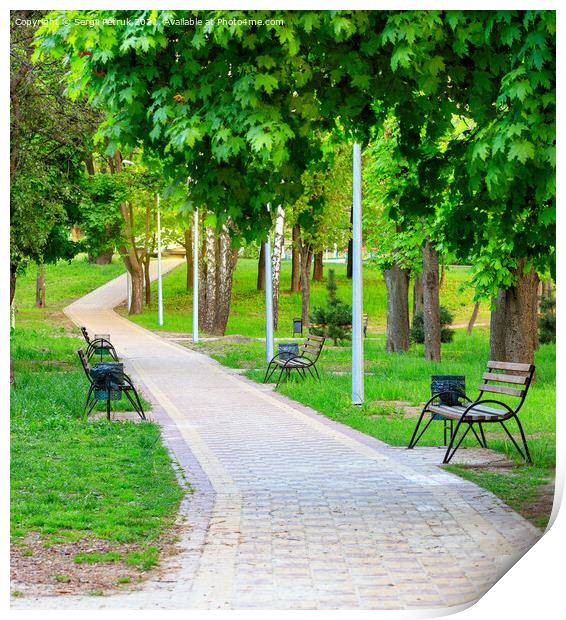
(84, 362)
(85, 334)
(500, 374)
(312, 347)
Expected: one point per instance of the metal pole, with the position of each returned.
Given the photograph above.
(357, 294)
(13, 314)
(268, 297)
(195, 276)
(159, 278)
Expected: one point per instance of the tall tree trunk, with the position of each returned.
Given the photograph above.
(431, 302)
(129, 251)
(210, 281)
(349, 264)
(104, 258)
(189, 257)
(397, 282)
(473, 318)
(40, 286)
(305, 250)
(513, 325)
(146, 257)
(418, 293)
(225, 266)
(276, 261)
(147, 279)
(261, 267)
(13, 269)
(202, 269)
(296, 260)
(318, 270)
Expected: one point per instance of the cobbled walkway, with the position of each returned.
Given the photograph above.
(291, 510)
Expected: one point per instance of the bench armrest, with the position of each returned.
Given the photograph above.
(484, 402)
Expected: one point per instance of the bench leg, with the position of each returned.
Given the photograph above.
(90, 391)
(481, 440)
(137, 405)
(267, 373)
(527, 455)
(448, 456)
(413, 441)
(280, 375)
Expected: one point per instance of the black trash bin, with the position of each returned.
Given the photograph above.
(287, 350)
(454, 387)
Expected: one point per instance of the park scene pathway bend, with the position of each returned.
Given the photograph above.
(292, 510)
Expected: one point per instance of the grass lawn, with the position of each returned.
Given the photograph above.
(108, 489)
(247, 307)
(390, 378)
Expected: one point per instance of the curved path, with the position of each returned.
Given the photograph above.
(292, 510)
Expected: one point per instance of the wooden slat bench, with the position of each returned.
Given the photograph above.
(306, 360)
(495, 380)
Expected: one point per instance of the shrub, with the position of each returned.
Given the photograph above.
(547, 321)
(446, 319)
(335, 319)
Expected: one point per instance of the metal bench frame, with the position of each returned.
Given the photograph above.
(305, 361)
(126, 386)
(476, 412)
(98, 346)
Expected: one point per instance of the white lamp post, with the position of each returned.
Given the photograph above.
(268, 297)
(195, 276)
(357, 294)
(159, 274)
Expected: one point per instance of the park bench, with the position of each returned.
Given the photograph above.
(507, 378)
(109, 387)
(100, 345)
(305, 361)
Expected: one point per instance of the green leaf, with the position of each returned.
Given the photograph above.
(265, 81)
(521, 150)
(401, 56)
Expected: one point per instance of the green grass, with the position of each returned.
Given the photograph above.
(247, 307)
(72, 479)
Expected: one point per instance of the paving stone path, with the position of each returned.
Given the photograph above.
(291, 510)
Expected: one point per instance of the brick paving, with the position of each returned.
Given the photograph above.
(291, 510)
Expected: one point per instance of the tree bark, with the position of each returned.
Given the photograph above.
(473, 318)
(305, 251)
(226, 264)
(418, 293)
(40, 286)
(202, 269)
(261, 267)
(431, 302)
(105, 258)
(210, 281)
(129, 251)
(13, 269)
(513, 325)
(189, 257)
(397, 283)
(276, 261)
(295, 261)
(318, 269)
